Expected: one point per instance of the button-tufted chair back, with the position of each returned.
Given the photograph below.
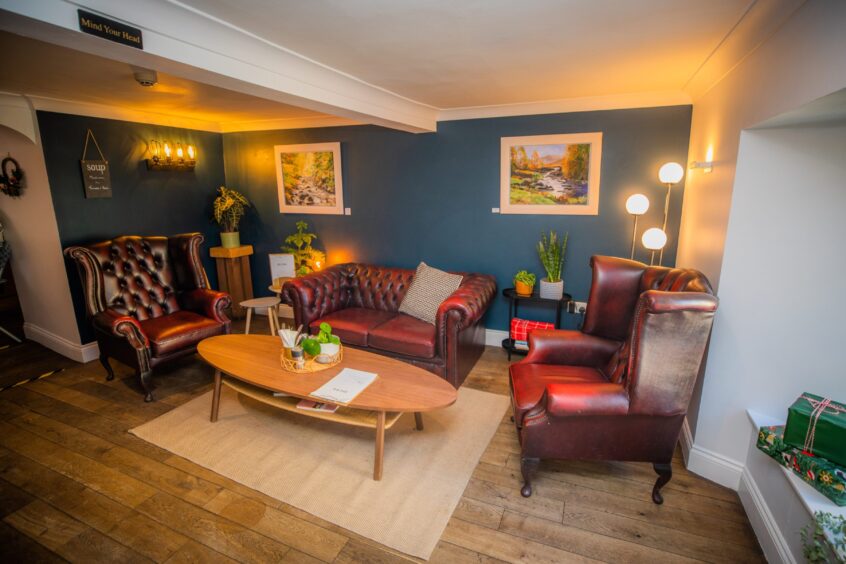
(618, 285)
(138, 279)
(136, 276)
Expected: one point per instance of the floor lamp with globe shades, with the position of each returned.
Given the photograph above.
(636, 205)
(654, 239)
(669, 174)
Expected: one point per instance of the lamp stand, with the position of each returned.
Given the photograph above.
(652, 259)
(664, 226)
(634, 236)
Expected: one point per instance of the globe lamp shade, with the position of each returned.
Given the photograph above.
(671, 173)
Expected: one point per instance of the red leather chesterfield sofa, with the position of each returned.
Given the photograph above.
(360, 302)
(619, 388)
(149, 300)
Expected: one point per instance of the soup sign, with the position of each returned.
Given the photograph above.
(95, 176)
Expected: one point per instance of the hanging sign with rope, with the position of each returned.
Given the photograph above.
(95, 174)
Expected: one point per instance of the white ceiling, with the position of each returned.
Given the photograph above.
(462, 53)
(49, 71)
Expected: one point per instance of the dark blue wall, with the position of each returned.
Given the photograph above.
(143, 202)
(429, 196)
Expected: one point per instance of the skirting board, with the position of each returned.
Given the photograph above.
(770, 536)
(57, 343)
(494, 337)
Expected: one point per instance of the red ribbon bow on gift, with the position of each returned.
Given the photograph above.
(820, 407)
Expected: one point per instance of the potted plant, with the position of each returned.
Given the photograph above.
(330, 344)
(524, 283)
(306, 257)
(229, 207)
(551, 254)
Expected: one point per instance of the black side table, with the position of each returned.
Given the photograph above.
(513, 301)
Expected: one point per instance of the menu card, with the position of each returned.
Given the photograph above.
(344, 387)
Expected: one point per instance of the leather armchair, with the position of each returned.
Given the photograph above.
(361, 302)
(618, 389)
(149, 300)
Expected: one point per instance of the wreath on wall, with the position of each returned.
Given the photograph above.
(11, 177)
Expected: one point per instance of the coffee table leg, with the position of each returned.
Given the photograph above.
(216, 396)
(380, 445)
(418, 420)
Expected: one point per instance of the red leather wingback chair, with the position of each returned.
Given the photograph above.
(619, 388)
(361, 303)
(149, 300)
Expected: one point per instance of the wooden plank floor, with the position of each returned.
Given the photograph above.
(76, 486)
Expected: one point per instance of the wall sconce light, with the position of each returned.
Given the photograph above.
(162, 156)
(708, 164)
(636, 205)
(654, 239)
(669, 174)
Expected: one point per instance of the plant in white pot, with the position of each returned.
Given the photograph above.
(229, 207)
(330, 345)
(551, 254)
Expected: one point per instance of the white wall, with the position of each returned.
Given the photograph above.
(782, 301)
(37, 261)
(801, 61)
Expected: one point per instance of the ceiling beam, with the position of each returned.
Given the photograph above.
(184, 42)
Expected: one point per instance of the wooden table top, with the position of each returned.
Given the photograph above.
(255, 359)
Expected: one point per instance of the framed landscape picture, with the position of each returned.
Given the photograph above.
(308, 178)
(551, 174)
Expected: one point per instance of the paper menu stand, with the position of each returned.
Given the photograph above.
(281, 267)
(346, 386)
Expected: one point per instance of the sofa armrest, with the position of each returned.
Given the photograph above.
(207, 302)
(569, 400)
(114, 324)
(469, 302)
(317, 294)
(555, 346)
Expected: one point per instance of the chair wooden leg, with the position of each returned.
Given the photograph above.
(528, 466)
(665, 473)
(271, 321)
(249, 318)
(147, 384)
(104, 360)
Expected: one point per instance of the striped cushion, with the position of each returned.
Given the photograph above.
(427, 292)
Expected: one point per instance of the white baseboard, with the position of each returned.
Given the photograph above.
(686, 440)
(766, 527)
(713, 466)
(74, 351)
(494, 337)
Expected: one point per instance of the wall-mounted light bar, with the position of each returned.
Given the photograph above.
(165, 155)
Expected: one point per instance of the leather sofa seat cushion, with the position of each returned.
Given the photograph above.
(353, 324)
(404, 335)
(176, 331)
(528, 382)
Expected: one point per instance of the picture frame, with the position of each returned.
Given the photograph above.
(551, 174)
(308, 178)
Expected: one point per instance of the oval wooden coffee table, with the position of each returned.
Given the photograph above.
(250, 365)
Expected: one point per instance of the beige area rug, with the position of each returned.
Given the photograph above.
(326, 468)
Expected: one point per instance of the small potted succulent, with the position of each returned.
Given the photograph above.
(551, 254)
(524, 283)
(229, 207)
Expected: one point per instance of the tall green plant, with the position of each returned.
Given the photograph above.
(229, 207)
(551, 254)
(299, 245)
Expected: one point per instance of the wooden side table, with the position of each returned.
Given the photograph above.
(233, 274)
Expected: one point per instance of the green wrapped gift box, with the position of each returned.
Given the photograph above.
(817, 426)
(823, 475)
